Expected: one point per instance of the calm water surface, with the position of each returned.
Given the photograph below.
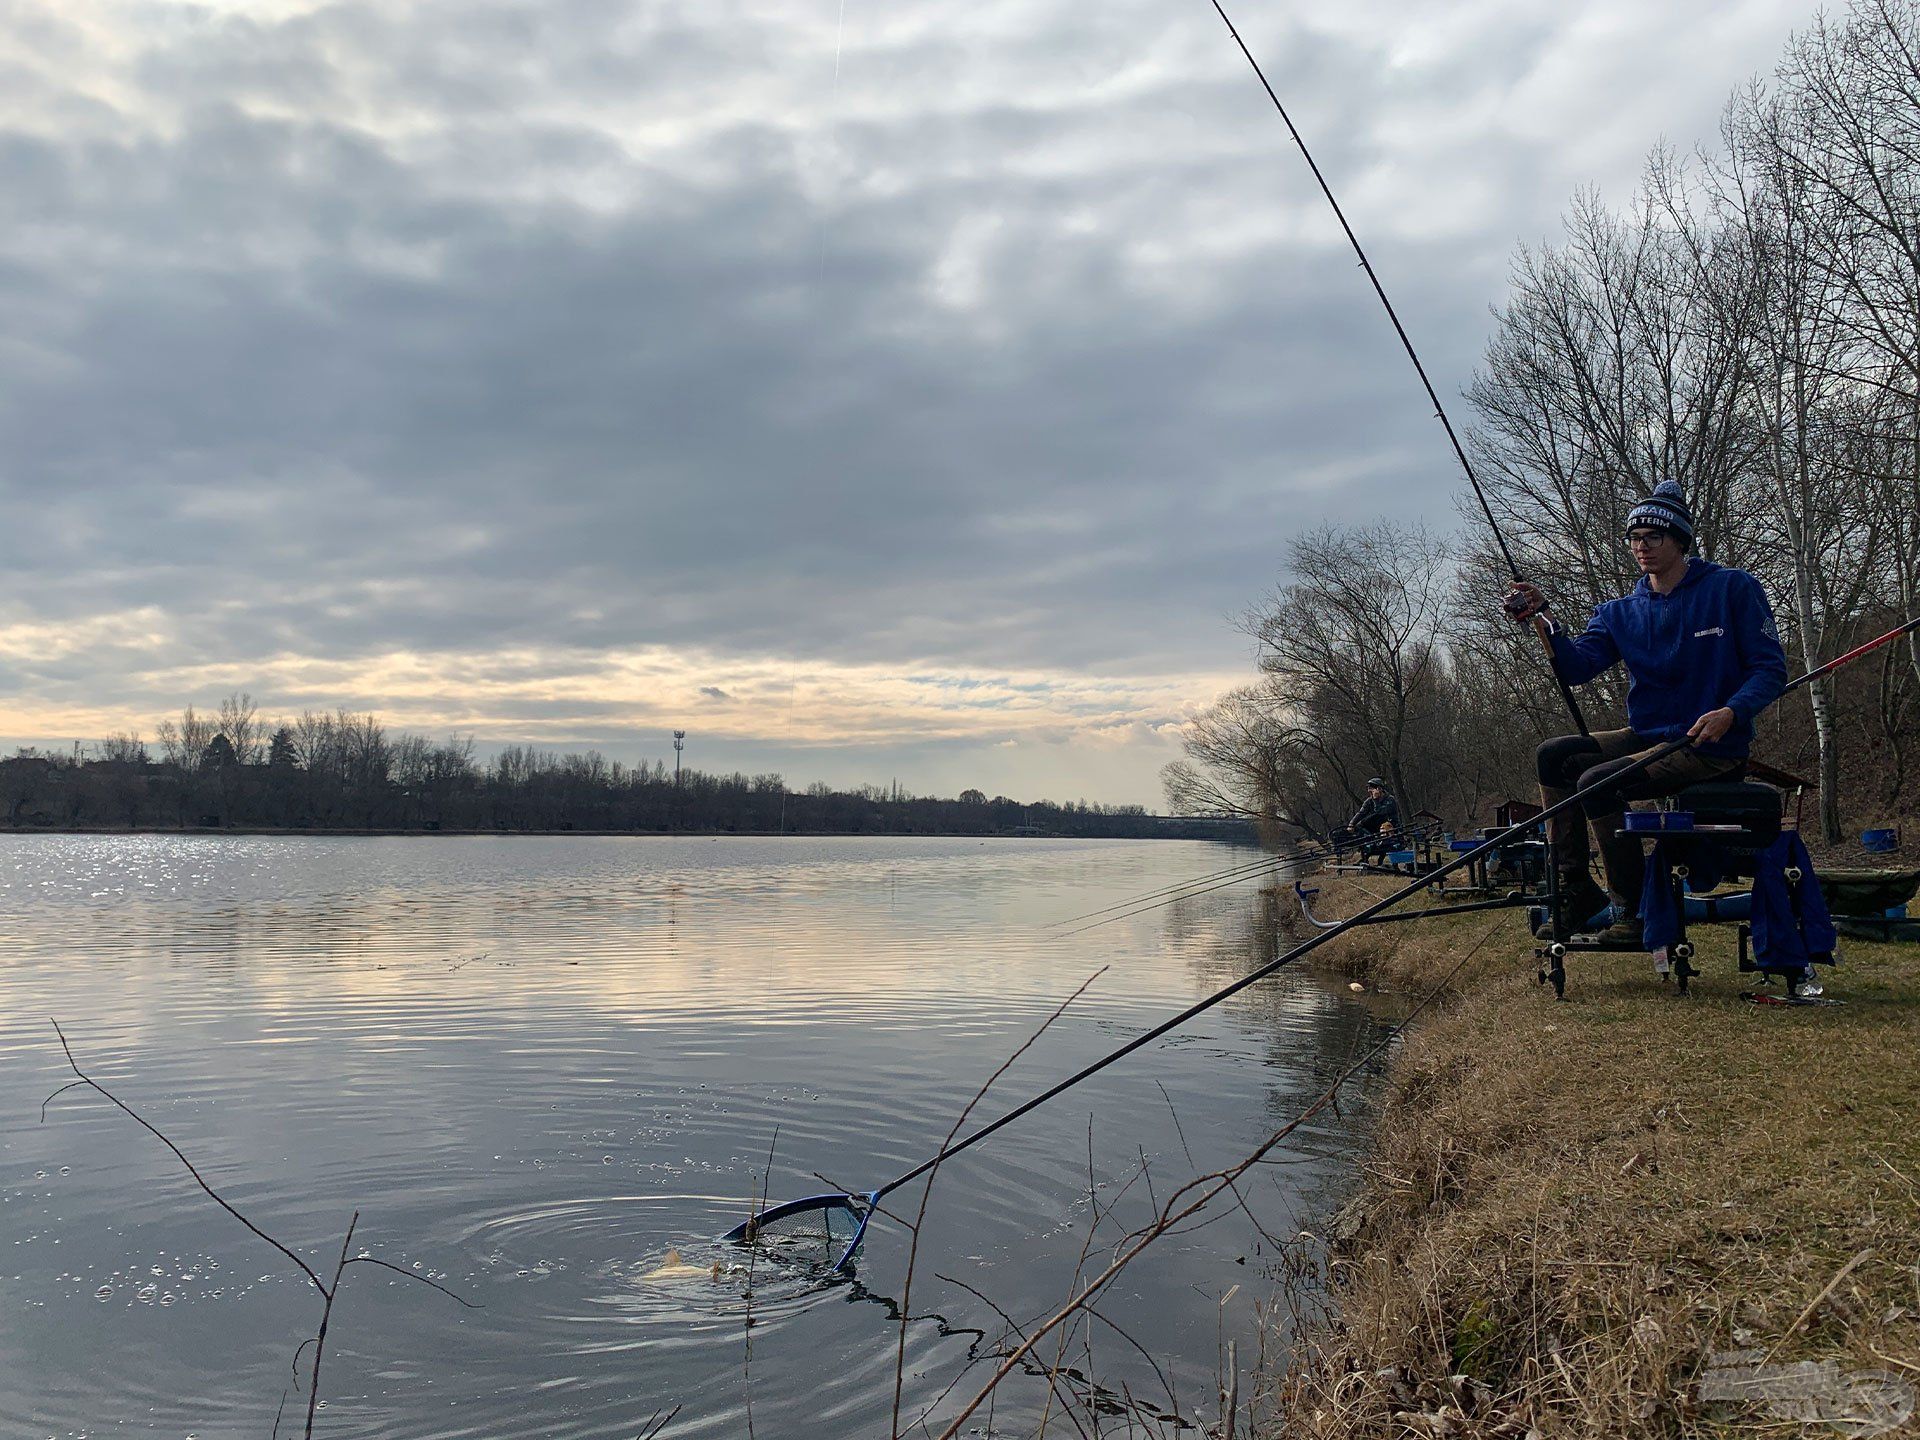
(534, 1065)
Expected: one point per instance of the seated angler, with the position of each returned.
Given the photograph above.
(1703, 659)
(1377, 816)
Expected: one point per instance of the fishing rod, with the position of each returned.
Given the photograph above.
(863, 1204)
(1329, 849)
(1406, 343)
(1193, 889)
(1822, 671)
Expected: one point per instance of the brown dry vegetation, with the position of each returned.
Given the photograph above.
(1571, 1207)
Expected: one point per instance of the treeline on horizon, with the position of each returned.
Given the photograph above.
(1749, 327)
(343, 771)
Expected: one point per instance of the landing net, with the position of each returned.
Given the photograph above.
(819, 1230)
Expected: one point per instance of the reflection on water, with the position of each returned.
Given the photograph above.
(536, 1065)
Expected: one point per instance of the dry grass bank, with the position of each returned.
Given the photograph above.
(1572, 1208)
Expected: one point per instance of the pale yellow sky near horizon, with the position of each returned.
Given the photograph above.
(743, 709)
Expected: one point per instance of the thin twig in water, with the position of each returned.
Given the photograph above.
(1166, 1382)
(327, 1292)
(180, 1155)
(326, 1318)
(1230, 1393)
(1180, 1130)
(1052, 1377)
(294, 1364)
(416, 1276)
(933, 1173)
(70, 1085)
(656, 1423)
(1079, 1269)
(746, 1360)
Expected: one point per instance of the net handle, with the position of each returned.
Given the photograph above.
(870, 1201)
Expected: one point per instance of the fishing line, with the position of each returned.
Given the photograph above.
(1273, 867)
(1406, 341)
(1172, 892)
(1205, 884)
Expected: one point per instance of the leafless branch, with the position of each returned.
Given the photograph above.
(926, 1190)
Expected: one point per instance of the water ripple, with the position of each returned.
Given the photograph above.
(537, 1066)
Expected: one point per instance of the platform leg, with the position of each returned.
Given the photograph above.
(1682, 950)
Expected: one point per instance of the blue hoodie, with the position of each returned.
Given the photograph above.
(1711, 642)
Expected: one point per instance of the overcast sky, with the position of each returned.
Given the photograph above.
(874, 391)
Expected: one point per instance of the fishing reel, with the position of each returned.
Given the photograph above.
(1517, 606)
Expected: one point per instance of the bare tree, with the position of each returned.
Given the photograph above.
(240, 723)
(126, 749)
(1243, 758)
(185, 745)
(1850, 91)
(1351, 645)
(1754, 255)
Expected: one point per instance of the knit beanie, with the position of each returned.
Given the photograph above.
(1665, 509)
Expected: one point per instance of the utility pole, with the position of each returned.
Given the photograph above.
(679, 744)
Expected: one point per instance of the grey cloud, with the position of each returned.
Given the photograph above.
(627, 310)
(714, 692)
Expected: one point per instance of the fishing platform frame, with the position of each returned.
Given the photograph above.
(1740, 818)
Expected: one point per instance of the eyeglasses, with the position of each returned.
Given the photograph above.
(1645, 539)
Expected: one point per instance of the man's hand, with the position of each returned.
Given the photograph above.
(1712, 725)
(1524, 601)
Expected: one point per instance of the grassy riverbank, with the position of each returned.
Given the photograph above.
(1571, 1209)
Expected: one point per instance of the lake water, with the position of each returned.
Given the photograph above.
(533, 1065)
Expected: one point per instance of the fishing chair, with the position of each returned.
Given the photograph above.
(1718, 828)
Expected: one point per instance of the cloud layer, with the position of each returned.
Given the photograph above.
(566, 369)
